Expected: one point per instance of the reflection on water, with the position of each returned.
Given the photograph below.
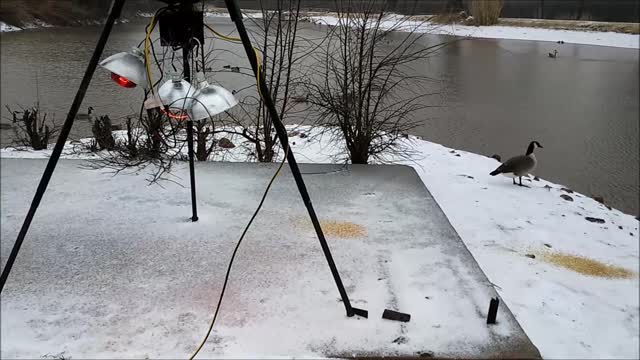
(495, 97)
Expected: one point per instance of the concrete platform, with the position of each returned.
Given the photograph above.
(113, 268)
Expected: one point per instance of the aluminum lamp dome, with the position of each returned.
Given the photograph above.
(176, 93)
(127, 68)
(210, 100)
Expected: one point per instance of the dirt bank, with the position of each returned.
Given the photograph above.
(627, 28)
(26, 13)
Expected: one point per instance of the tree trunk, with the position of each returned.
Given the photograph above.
(359, 156)
(201, 138)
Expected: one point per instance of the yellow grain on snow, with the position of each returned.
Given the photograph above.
(342, 229)
(587, 266)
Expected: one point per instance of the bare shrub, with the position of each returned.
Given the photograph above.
(152, 141)
(31, 129)
(203, 138)
(452, 12)
(364, 89)
(102, 134)
(153, 130)
(282, 51)
(486, 12)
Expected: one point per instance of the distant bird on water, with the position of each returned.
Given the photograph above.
(519, 166)
(87, 116)
(554, 54)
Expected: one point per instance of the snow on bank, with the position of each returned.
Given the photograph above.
(4, 27)
(511, 230)
(502, 32)
(221, 13)
(36, 24)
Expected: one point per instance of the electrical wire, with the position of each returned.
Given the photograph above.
(226, 277)
(255, 213)
(155, 58)
(236, 40)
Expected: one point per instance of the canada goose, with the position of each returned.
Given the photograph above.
(300, 99)
(554, 54)
(519, 166)
(87, 116)
(235, 69)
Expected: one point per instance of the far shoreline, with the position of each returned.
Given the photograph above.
(612, 34)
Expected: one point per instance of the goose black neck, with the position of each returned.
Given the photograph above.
(530, 148)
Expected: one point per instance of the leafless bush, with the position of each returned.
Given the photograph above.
(102, 134)
(363, 90)
(153, 130)
(131, 143)
(282, 51)
(486, 12)
(30, 128)
(203, 138)
(452, 12)
(152, 142)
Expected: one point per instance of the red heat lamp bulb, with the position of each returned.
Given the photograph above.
(175, 115)
(122, 81)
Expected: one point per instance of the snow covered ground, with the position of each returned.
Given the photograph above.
(566, 265)
(502, 32)
(129, 276)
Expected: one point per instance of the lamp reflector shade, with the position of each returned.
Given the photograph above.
(127, 68)
(210, 100)
(176, 93)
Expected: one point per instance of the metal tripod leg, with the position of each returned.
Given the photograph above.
(236, 17)
(114, 13)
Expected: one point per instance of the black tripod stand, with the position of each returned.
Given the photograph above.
(236, 17)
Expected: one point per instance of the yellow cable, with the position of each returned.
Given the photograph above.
(273, 178)
(264, 196)
(224, 37)
(147, 63)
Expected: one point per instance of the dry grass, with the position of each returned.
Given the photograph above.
(444, 18)
(486, 12)
(587, 266)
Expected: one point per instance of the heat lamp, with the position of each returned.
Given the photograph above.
(127, 68)
(176, 96)
(210, 99)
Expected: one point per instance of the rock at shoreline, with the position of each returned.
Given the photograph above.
(566, 197)
(226, 143)
(595, 220)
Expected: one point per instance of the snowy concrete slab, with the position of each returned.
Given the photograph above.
(112, 267)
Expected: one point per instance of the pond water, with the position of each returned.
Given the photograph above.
(495, 97)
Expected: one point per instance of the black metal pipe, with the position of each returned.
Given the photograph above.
(236, 17)
(186, 49)
(114, 13)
